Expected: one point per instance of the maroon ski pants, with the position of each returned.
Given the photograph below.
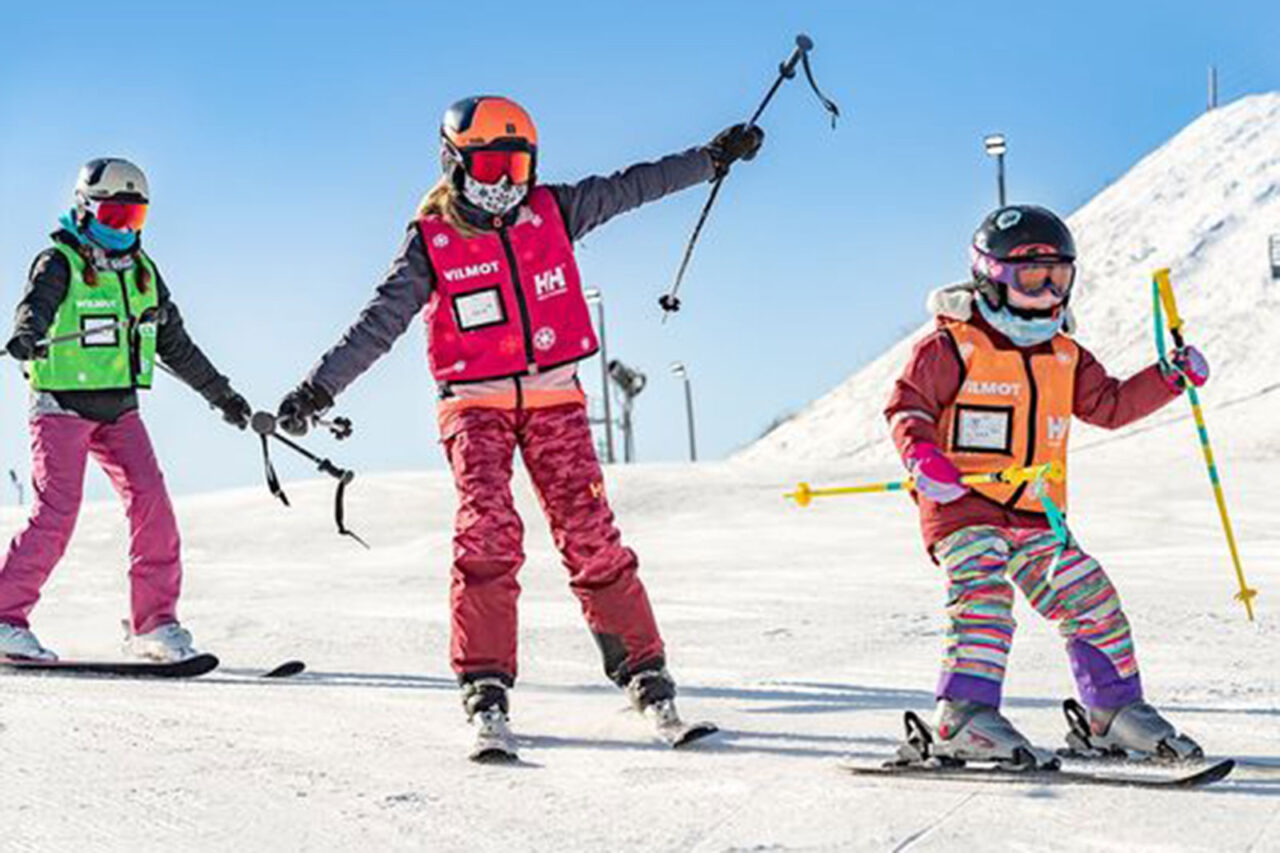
(555, 444)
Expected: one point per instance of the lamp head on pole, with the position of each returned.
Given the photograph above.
(996, 144)
(680, 371)
(629, 380)
(593, 295)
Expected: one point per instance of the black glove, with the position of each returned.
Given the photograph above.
(298, 406)
(24, 346)
(235, 409)
(732, 144)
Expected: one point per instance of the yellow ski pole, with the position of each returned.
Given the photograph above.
(804, 493)
(1165, 290)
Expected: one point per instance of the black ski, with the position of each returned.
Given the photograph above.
(989, 774)
(189, 668)
(288, 669)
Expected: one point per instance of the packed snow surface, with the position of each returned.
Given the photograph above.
(804, 633)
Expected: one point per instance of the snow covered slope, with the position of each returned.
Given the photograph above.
(1204, 204)
(805, 634)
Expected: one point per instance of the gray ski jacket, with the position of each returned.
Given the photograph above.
(404, 291)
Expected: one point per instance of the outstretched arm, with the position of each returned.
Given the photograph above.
(1103, 400)
(593, 201)
(402, 294)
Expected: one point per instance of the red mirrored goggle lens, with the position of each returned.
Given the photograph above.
(1031, 277)
(488, 167)
(121, 215)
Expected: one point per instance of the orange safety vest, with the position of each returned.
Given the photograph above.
(1014, 408)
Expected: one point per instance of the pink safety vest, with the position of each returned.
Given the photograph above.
(483, 321)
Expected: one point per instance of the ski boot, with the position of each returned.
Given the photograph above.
(168, 643)
(21, 644)
(653, 694)
(485, 700)
(1134, 731)
(970, 731)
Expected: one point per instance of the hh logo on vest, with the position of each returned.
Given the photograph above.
(507, 302)
(551, 283)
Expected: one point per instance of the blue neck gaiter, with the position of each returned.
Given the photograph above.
(1023, 331)
(111, 239)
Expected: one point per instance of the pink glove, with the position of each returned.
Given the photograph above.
(936, 477)
(1191, 365)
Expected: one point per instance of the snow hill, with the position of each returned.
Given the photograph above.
(1203, 204)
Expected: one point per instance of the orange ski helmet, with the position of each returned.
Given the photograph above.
(486, 137)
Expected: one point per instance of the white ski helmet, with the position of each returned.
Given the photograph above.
(111, 179)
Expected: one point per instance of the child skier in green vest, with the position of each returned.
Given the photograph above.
(95, 315)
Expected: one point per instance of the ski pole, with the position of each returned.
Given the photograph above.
(264, 424)
(669, 301)
(151, 315)
(804, 493)
(1163, 293)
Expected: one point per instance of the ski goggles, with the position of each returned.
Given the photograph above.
(119, 215)
(1030, 278)
(489, 165)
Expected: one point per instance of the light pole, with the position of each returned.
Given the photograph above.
(682, 372)
(630, 382)
(596, 298)
(996, 146)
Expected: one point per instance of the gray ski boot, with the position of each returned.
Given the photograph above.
(485, 700)
(653, 694)
(971, 731)
(1134, 731)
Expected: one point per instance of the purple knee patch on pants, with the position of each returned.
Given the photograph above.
(1100, 685)
(955, 685)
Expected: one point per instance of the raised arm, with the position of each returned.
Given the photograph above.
(593, 201)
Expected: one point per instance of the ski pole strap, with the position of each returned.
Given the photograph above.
(273, 481)
(339, 508)
(827, 104)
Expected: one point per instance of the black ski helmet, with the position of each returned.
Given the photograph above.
(1018, 232)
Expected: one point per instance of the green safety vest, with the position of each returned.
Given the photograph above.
(123, 357)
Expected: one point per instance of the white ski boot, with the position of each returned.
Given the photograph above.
(169, 643)
(972, 731)
(1135, 730)
(486, 702)
(653, 694)
(21, 644)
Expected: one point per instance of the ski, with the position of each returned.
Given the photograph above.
(189, 668)
(990, 774)
(679, 733)
(288, 669)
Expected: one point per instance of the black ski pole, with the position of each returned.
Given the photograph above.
(149, 316)
(669, 301)
(264, 424)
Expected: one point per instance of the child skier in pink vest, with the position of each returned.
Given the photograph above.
(490, 266)
(996, 386)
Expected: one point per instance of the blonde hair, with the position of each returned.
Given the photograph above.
(441, 200)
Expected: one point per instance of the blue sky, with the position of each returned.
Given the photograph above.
(288, 143)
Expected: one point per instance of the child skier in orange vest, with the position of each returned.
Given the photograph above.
(996, 385)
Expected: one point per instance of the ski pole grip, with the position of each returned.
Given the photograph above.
(1167, 299)
(803, 45)
(263, 423)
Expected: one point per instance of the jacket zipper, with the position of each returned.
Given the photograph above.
(128, 330)
(1033, 419)
(520, 303)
